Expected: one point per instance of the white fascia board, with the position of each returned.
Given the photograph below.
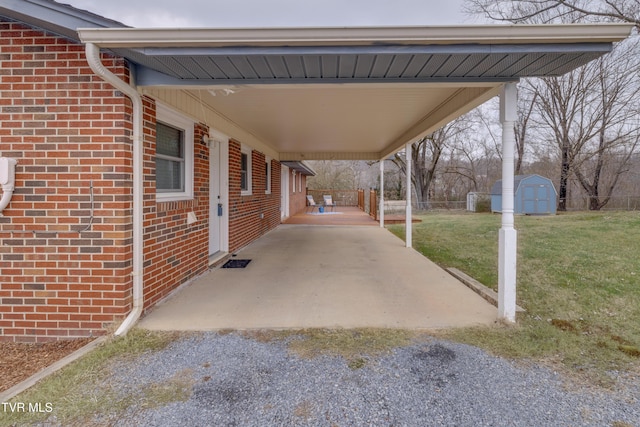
(354, 36)
(300, 156)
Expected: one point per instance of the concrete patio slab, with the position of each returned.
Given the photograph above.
(306, 276)
(341, 215)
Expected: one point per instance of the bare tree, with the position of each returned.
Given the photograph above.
(564, 107)
(425, 156)
(550, 10)
(342, 175)
(618, 131)
(591, 113)
(475, 155)
(332, 175)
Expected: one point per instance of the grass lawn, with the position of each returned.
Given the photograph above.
(578, 280)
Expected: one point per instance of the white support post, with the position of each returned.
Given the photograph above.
(508, 239)
(409, 224)
(381, 207)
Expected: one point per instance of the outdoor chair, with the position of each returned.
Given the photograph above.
(311, 203)
(328, 202)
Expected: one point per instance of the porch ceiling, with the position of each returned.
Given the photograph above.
(362, 121)
(350, 93)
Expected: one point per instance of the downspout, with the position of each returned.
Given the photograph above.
(92, 53)
(8, 180)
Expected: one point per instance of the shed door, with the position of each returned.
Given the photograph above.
(544, 199)
(536, 199)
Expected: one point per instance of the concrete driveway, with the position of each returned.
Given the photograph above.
(306, 276)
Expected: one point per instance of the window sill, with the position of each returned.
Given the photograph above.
(172, 197)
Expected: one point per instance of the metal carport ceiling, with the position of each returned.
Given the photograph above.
(350, 93)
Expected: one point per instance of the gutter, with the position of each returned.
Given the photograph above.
(92, 53)
(145, 38)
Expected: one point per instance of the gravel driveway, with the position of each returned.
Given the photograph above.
(238, 381)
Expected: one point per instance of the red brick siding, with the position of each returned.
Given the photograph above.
(245, 223)
(67, 128)
(174, 252)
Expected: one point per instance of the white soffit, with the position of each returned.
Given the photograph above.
(333, 121)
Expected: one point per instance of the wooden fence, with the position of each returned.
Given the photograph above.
(368, 204)
(361, 200)
(373, 204)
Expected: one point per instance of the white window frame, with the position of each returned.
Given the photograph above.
(267, 165)
(293, 181)
(175, 119)
(245, 149)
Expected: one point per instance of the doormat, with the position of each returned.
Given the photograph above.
(236, 263)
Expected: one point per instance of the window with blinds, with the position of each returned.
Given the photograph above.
(170, 159)
(267, 169)
(244, 172)
(246, 177)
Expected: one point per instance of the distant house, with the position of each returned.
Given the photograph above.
(533, 195)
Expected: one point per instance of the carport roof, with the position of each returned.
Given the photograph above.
(196, 57)
(489, 53)
(332, 93)
(350, 93)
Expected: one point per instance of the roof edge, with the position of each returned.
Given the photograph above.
(350, 36)
(57, 18)
(300, 166)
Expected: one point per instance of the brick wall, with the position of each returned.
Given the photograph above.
(67, 129)
(174, 251)
(251, 216)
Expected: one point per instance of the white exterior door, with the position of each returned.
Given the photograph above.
(215, 198)
(284, 193)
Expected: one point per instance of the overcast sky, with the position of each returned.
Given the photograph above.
(275, 13)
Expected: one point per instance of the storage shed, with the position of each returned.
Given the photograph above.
(533, 194)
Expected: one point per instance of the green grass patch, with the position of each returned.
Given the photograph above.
(578, 278)
(356, 346)
(349, 343)
(81, 389)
